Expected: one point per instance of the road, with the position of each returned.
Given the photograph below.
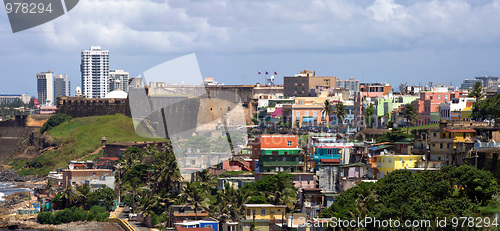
(139, 226)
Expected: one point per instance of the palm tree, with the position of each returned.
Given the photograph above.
(340, 111)
(410, 115)
(84, 191)
(208, 181)
(69, 195)
(194, 197)
(166, 174)
(327, 109)
(49, 187)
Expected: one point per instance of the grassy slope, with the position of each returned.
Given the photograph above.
(79, 137)
(422, 127)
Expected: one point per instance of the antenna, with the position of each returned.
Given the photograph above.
(423, 157)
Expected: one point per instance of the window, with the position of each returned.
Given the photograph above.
(441, 145)
(383, 159)
(390, 160)
(464, 135)
(208, 226)
(433, 145)
(297, 113)
(439, 96)
(329, 151)
(401, 159)
(434, 134)
(306, 113)
(262, 212)
(94, 174)
(449, 135)
(289, 143)
(284, 158)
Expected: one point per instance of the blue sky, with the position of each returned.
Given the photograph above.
(390, 41)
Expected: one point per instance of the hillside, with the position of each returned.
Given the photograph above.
(75, 139)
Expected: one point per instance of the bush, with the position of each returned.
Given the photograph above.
(96, 213)
(45, 218)
(54, 121)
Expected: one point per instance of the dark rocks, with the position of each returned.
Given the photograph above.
(11, 175)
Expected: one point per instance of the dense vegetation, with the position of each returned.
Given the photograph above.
(96, 213)
(451, 192)
(395, 135)
(154, 195)
(487, 108)
(54, 121)
(78, 138)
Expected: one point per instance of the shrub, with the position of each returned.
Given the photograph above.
(54, 121)
(45, 218)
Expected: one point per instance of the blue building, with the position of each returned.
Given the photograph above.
(199, 224)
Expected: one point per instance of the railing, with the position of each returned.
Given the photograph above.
(124, 224)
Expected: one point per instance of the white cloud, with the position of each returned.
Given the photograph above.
(225, 26)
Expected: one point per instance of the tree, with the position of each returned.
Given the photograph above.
(410, 115)
(69, 196)
(369, 112)
(194, 197)
(340, 112)
(477, 92)
(327, 110)
(84, 191)
(54, 121)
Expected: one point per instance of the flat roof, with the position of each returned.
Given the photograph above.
(263, 205)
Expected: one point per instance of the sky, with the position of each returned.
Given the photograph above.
(393, 41)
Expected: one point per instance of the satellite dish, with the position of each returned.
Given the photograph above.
(385, 151)
(369, 155)
(423, 157)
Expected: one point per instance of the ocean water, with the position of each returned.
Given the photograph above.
(8, 188)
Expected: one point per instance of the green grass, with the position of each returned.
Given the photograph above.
(422, 127)
(79, 137)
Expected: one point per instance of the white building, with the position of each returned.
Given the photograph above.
(455, 105)
(62, 85)
(45, 87)
(8, 98)
(122, 78)
(95, 72)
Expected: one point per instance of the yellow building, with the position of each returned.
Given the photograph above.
(467, 113)
(262, 216)
(389, 163)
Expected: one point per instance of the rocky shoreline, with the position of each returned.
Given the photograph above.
(11, 175)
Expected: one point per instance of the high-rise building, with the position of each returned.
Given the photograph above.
(45, 87)
(122, 78)
(62, 85)
(352, 84)
(95, 72)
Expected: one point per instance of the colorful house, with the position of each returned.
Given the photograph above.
(206, 224)
(263, 216)
(389, 163)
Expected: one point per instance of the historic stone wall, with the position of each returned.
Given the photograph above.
(83, 107)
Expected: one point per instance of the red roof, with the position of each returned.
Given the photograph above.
(460, 130)
(277, 113)
(108, 158)
(330, 160)
(78, 165)
(190, 214)
(193, 229)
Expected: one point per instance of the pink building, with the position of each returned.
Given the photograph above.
(429, 102)
(237, 164)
